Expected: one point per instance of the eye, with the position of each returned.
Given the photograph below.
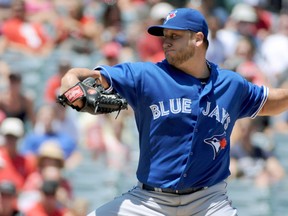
(175, 36)
(172, 36)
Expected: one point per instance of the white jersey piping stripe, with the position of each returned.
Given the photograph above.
(266, 93)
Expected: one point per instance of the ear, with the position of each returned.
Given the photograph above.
(199, 37)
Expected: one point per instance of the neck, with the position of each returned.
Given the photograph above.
(198, 69)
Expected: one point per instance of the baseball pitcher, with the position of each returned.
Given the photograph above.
(185, 109)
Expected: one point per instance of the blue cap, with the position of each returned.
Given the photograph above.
(182, 19)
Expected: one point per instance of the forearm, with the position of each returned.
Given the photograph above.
(75, 75)
(276, 103)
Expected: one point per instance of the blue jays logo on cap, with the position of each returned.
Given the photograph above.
(182, 19)
(171, 15)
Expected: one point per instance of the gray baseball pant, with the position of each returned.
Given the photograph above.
(212, 201)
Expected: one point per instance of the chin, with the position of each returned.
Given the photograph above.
(170, 60)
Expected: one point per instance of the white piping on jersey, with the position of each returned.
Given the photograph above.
(266, 93)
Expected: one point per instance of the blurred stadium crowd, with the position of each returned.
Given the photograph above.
(43, 144)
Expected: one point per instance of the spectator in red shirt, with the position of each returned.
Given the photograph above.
(21, 35)
(149, 47)
(50, 163)
(54, 81)
(8, 199)
(14, 166)
(77, 31)
(48, 205)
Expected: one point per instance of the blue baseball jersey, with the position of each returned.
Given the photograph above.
(184, 125)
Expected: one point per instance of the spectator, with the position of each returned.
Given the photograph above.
(241, 22)
(50, 164)
(215, 52)
(210, 8)
(4, 75)
(53, 83)
(149, 47)
(4, 80)
(42, 11)
(48, 205)
(273, 50)
(103, 139)
(265, 21)
(14, 167)
(63, 120)
(279, 123)
(112, 23)
(244, 62)
(20, 35)
(45, 130)
(8, 199)
(4, 10)
(250, 161)
(79, 207)
(15, 102)
(111, 52)
(79, 32)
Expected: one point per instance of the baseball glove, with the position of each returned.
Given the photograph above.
(95, 99)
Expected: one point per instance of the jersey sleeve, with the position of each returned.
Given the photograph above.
(124, 79)
(253, 99)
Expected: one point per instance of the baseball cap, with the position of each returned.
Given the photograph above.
(182, 19)
(111, 49)
(12, 126)
(160, 10)
(51, 149)
(244, 12)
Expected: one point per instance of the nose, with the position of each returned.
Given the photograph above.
(166, 43)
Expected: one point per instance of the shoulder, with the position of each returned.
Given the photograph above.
(135, 68)
(151, 67)
(225, 74)
(144, 65)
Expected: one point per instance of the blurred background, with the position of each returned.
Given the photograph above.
(58, 161)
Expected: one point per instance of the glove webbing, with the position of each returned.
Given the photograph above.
(108, 104)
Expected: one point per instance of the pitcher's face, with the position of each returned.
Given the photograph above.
(178, 45)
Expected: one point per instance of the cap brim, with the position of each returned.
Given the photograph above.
(12, 133)
(158, 29)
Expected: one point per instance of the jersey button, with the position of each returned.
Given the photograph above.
(185, 175)
(191, 153)
(196, 130)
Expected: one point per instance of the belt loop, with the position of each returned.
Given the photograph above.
(140, 184)
(158, 189)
